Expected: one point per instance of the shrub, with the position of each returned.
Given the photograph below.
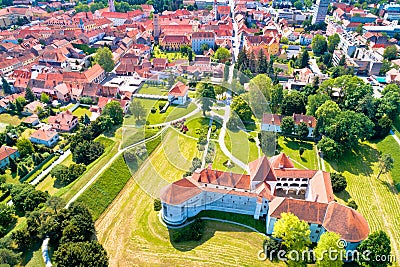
(352, 204)
(157, 204)
(193, 232)
(270, 245)
(153, 110)
(161, 106)
(251, 139)
(339, 182)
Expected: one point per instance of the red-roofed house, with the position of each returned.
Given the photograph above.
(63, 122)
(6, 153)
(44, 137)
(178, 93)
(272, 122)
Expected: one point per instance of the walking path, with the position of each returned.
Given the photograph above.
(203, 161)
(148, 96)
(48, 170)
(395, 137)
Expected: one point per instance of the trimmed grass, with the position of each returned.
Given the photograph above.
(173, 112)
(220, 158)
(390, 146)
(153, 90)
(291, 148)
(7, 119)
(133, 135)
(64, 108)
(238, 144)
(378, 200)
(81, 111)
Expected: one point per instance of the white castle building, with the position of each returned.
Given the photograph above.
(273, 186)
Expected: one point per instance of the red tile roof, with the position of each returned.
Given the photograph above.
(347, 222)
(6, 151)
(260, 170)
(178, 89)
(43, 134)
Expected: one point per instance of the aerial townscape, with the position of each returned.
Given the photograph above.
(199, 133)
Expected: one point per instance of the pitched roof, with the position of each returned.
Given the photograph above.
(272, 119)
(310, 120)
(260, 170)
(6, 151)
(321, 187)
(312, 212)
(43, 134)
(178, 89)
(63, 120)
(281, 161)
(347, 222)
(180, 191)
(229, 179)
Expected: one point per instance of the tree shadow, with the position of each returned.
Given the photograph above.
(394, 189)
(358, 161)
(58, 184)
(210, 228)
(344, 195)
(111, 132)
(295, 145)
(28, 254)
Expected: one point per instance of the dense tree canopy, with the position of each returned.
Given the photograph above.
(104, 58)
(242, 109)
(287, 126)
(81, 254)
(390, 52)
(115, 111)
(339, 182)
(25, 146)
(319, 44)
(329, 241)
(333, 42)
(293, 102)
(26, 198)
(206, 96)
(378, 245)
(222, 55)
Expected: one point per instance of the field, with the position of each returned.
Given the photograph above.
(81, 111)
(238, 144)
(173, 112)
(131, 135)
(378, 200)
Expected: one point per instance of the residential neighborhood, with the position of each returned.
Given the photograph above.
(136, 133)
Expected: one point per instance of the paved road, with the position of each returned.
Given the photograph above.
(165, 97)
(395, 137)
(48, 170)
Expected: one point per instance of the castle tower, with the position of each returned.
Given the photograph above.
(111, 6)
(156, 26)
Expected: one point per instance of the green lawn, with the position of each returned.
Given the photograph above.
(64, 108)
(220, 158)
(153, 90)
(238, 144)
(378, 200)
(131, 135)
(171, 56)
(7, 119)
(81, 111)
(390, 146)
(173, 112)
(291, 148)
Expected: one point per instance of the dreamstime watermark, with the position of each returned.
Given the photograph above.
(333, 254)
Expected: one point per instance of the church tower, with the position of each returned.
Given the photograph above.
(156, 26)
(215, 10)
(111, 6)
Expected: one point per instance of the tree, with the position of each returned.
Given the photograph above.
(263, 83)
(386, 163)
(9, 257)
(382, 127)
(298, 5)
(137, 109)
(242, 109)
(55, 203)
(333, 42)
(122, 7)
(12, 164)
(329, 241)
(190, 54)
(349, 127)
(319, 45)
(326, 114)
(29, 96)
(222, 55)
(26, 198)
(262, 66)
(25, 146)
(390, 103)
(390, 52)
(115, 111)
(86, 119)
(22, 170)
(22, 238)
(338, 181)
(206, 95)
(44, 98)
(287, 126)
(386, 66)
(293, 102)
(6, 86)
(303, 59)
(359, 29)
(104, 58)
(276, 97)
(267, 142)
(204, 47)
(20, 103)
(87, 151)
(7, 217)
(329, 148)
(157, 204)
(377, 244)
(314, 102)
(226, 72)
(295, 235)
(302, 130)
(81, 254)
(352, 204)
